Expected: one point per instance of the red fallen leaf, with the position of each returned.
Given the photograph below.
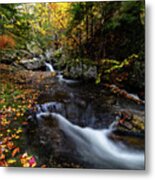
(3, 163)
(15, 151)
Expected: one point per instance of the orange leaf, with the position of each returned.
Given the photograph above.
(18, 114)
(43, 166)
(15, 151)
(24, 123)
(6, 41)
(10, 145)
(2, 156)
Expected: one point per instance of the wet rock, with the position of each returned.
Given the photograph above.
(130, 141)
(80, 102)
(130, 123)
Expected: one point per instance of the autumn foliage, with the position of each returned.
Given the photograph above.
(6, 42)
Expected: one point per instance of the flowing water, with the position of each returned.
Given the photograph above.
(48, 65)
(73, 126)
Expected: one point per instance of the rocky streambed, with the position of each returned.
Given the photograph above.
(77, 124)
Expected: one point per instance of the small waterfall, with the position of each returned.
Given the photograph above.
(60, 76)
(50, 67)
(62, 79)
(95, 146)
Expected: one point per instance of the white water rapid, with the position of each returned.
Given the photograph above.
(50, 67)
(96, 147)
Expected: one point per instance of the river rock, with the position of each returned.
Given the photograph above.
(82, 71)
(90, 72)
(76, 71)
(130, 123)
(32, 64)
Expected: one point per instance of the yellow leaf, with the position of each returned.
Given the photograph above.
(13, 109)
(8, 130)
(26, 165)
(8, 26)
(17, 137)
(18, 23)
(6, 150)
(19, 131)
(11, 161)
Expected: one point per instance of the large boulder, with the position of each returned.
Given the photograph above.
(32, 64)
(82, 71)
(90, 72)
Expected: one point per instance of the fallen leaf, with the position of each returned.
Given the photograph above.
(17, 137)
(9, 130)
(26, 164)
(43, 166)
(18, 114)
(2, 156)
(32, 162)
(3, 163)
(11, 161)
(24, 123)
(10, 145)
(15, 151)
(19, 131)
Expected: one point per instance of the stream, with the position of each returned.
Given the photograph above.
(73, 126)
